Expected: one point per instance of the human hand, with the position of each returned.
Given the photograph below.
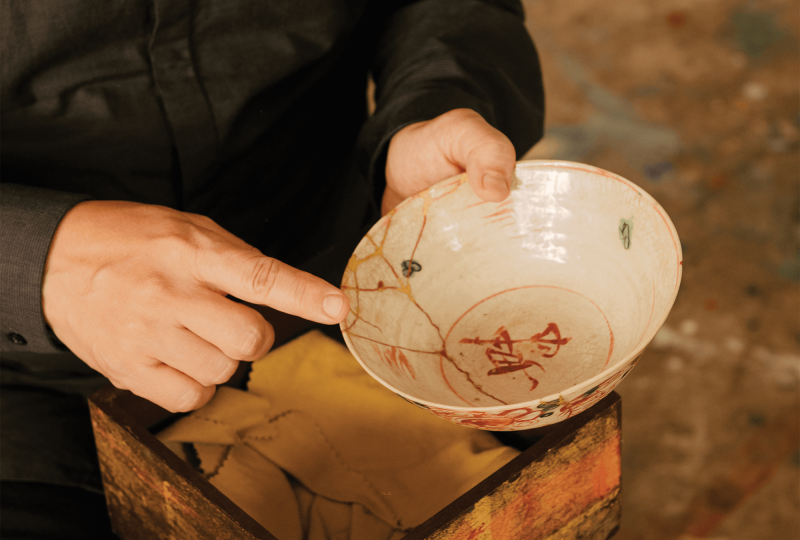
(424, 153)
(138, 292)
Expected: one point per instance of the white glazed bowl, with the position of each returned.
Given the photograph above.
(512, 315)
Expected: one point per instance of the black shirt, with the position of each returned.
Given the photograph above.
(252, 112)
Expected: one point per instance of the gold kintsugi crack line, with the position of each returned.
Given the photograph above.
(355, 262)
(395, 346)
(405, 286)
(355, 311)
(442, 354)
(478, 387)
(427, 200)
(359, 318)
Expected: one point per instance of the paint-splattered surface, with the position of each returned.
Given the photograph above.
(697, 102)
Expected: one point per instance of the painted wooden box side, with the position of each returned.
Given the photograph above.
(154, 494)
(564, 486)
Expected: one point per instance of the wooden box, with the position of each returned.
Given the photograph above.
(566, 485)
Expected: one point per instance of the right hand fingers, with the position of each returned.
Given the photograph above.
(250, 276)
(242, 271)
(236, 330)
(186, 352)
(163, 385)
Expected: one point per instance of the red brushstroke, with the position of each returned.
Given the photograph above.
(558, 337)
(504, 212)
(398, 362)
(503, 339)
(505, 359)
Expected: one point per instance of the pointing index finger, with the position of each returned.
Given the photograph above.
(253, 277)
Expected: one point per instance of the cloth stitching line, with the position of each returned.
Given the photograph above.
(341, 460)
(338, 456)
(222, 462)
(211, 420)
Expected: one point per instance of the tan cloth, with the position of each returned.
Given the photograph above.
(317, 449)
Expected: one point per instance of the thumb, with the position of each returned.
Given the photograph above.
(250, 276)
(484, 152)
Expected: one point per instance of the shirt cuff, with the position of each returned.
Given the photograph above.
(30, 217)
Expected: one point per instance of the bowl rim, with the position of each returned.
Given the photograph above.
(609, 371)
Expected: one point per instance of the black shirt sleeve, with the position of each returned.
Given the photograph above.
(434, 56)
(28, 219)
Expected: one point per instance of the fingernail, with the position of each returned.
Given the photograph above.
(495, 183)
(332, 305)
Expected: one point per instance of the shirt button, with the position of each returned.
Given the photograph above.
(16, 339)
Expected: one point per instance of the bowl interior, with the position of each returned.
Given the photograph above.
(465, 303)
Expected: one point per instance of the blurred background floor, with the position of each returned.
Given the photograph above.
(698, 102)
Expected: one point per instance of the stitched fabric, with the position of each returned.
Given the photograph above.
(316, 448)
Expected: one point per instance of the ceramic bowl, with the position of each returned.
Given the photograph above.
(512, 315)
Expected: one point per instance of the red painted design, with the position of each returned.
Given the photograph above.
(544, 505)
(539, 505)
(446, 356)
(518, 418)
(398, 362)
(474, 533)
(592, 396)
(501, 350)
(505, 359)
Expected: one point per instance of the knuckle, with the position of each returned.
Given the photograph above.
(460, 115)
(300, 290)
(193, 398)
(225, 371)
(172, 240)
(201, 219)
(118, 368)
(263, 276)
(153, 289)
(216, 370)
(494, 147)
(494, 154)
(182, 239)
(117, 383)
(253, 342)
